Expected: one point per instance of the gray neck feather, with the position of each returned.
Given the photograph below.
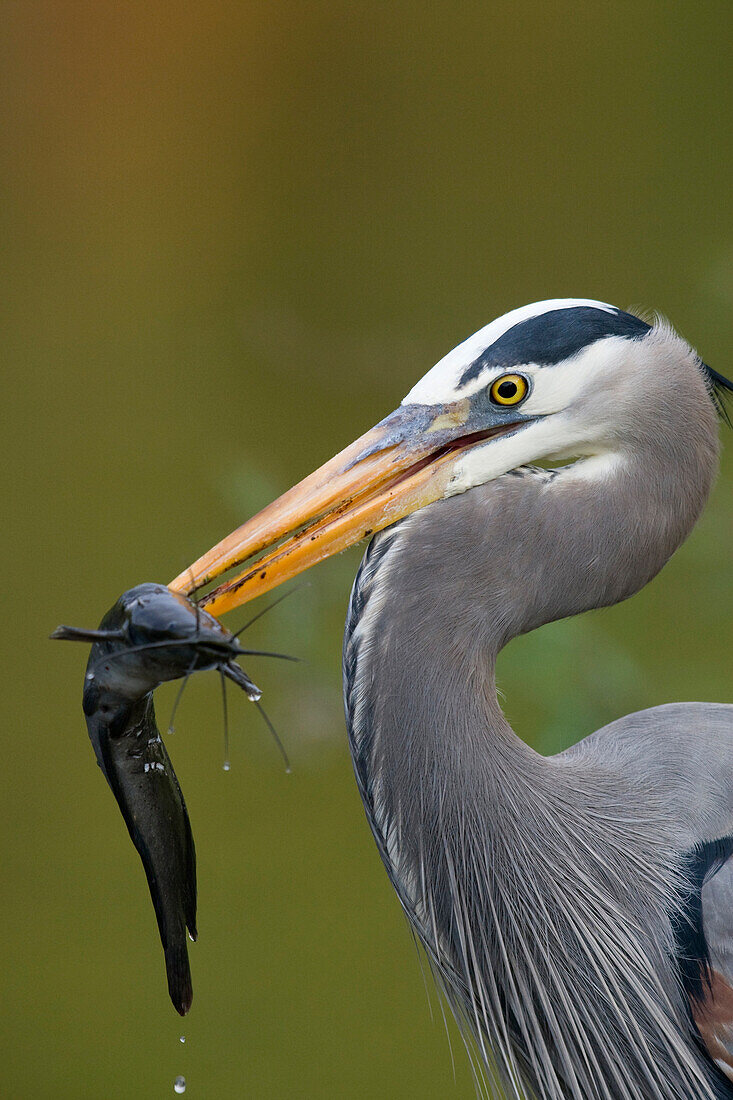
(541, 888)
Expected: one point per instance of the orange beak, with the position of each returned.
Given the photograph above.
(402, 464)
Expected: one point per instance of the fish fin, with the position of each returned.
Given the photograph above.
(234, 672)
(79, 634)
(188, 886)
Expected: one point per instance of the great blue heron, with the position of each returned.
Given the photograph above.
(577, 909)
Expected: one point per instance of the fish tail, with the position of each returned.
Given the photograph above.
(178, 970)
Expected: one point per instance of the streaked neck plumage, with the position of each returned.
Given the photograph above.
(519, 872)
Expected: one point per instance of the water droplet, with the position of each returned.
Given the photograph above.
(171, 729)
(226, 766)
(90, 676)
(182, 1039)
(179, 1085)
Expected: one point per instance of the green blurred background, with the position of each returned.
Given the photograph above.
(234, 235)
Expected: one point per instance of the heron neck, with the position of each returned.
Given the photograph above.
(439, 595)
(484, 839)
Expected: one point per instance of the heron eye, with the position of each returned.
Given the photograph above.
(510, 389)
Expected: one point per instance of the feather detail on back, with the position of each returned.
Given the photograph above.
(561, 990)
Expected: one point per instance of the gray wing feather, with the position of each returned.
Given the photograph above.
(683, 753)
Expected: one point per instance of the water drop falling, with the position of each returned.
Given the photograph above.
(179, 1085)
(182, 1039)
(226, 766)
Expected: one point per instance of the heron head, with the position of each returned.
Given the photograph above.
(561, 378)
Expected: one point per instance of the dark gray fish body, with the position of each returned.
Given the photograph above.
(139, 771)
(152, 635)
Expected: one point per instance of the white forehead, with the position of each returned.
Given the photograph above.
(441, 382)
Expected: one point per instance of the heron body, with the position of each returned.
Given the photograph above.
(577, 909)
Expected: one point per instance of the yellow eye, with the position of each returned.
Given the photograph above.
(510, 389)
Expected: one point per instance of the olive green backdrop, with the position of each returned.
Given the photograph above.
(234, 234)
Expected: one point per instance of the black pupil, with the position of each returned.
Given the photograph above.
(507, 389)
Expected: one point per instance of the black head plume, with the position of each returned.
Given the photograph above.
(720, 388)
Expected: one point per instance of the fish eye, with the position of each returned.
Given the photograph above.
(509, 389)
